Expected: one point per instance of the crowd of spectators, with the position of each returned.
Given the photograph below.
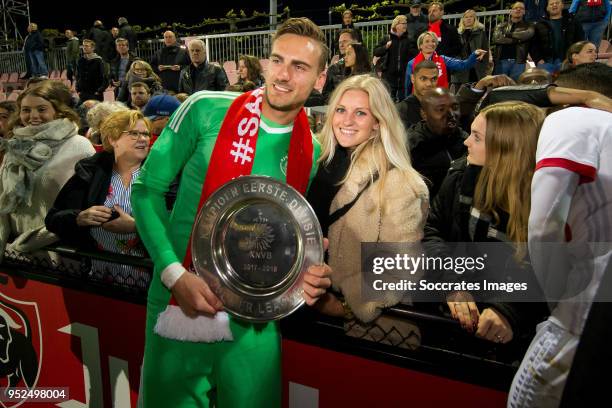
(443, 150)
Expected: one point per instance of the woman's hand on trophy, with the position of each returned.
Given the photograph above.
(195, 297)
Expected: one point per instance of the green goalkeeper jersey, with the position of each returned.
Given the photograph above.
(185, 146)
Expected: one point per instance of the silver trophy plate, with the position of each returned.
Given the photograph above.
(252, 242)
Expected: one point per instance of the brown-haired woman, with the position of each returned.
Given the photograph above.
(582, 52)
(249, 69)
(93, 210)
(486, 198)
(41, 150)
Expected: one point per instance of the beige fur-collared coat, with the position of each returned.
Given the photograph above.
(406, 201)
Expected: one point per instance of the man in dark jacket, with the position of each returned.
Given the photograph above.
(34, 52)
(103, 40)
(73, 53)
(395, 50)
(201, 75)
(512, 39)
(126, 31)
(418, 22)
(91, 78)
(553, 36)
(449, 42)
(168, 62)
(121, 64)
(438, 139)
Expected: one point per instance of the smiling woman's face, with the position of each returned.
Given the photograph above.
(133, 144)
(35, 111)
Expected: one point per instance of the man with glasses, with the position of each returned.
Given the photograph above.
(512, 39)
(201, 75)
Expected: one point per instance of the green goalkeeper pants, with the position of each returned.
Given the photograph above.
(231, 374)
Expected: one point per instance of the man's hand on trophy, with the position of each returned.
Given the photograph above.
(195, 297)
(317, 280)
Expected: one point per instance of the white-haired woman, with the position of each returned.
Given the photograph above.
(95, 117)
(427, 43)
(365, 191)
(394, 52)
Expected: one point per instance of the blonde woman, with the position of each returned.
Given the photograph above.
(365, 191)
(93, 210)
(473, 37)
(486, 198)
(140, 71)
(427, 44)
(394, 52)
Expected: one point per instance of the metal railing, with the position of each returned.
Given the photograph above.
(14, 61)
(228, 47)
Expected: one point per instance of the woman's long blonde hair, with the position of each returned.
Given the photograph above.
(477, 24)
(386, 149)
(505, 181)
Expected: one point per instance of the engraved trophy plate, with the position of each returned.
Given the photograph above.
(253, 240)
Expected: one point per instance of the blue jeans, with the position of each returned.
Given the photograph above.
(551, 66)
(509, 67)
(594, 31)
(37, 60)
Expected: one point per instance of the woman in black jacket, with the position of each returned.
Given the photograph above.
(395, 50)
(487, 199)
(473, 37)
(93, 209)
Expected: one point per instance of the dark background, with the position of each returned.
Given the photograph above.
(80, 14)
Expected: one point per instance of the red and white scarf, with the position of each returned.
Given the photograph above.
(232, 157)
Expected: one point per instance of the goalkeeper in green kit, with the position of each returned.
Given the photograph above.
(194, 350)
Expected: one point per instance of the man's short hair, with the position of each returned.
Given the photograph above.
(426, 64)
(593, 76)
(347, 11)
(140, 85)
(304, 27)
(122, 40)
(350, 32)
(87, 40)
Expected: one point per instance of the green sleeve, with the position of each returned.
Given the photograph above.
(167, 158)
